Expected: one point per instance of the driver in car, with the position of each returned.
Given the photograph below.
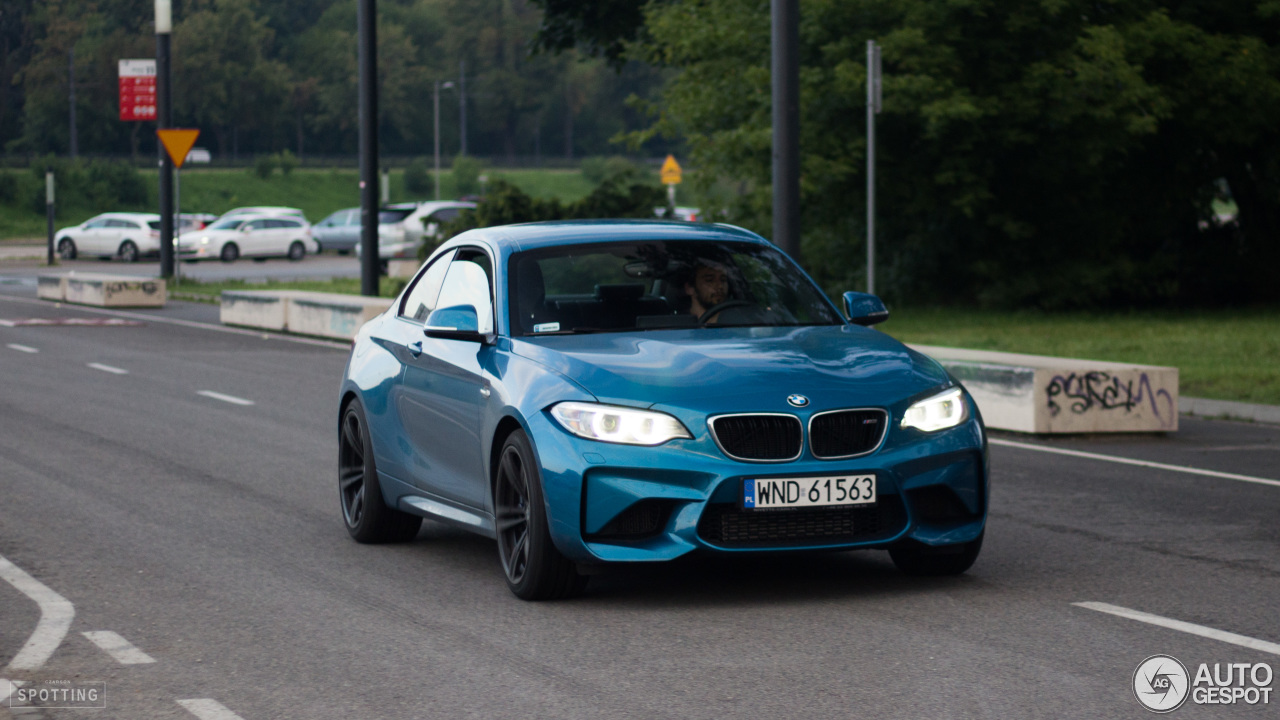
(708, 288)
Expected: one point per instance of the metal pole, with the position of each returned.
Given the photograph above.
(435, 115)
(462, 105)
(177, 214)
(873, 107)
(71, 96)
(49, 210)
(366, 29)
(786, 126)
(164, 119)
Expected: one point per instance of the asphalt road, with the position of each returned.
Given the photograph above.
(207, 535)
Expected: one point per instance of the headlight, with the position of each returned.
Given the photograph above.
(204, 241)
(610, 423)
(944, 410)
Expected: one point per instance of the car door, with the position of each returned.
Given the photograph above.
(444, 387)
(88, 237)
(254, 239)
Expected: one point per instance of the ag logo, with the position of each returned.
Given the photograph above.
(1161, 683)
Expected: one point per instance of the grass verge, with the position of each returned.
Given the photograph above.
(1225, 355)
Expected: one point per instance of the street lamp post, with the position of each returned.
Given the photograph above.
(435, 113)
(164, 119)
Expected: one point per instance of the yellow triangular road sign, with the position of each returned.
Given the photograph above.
(671, 171)
(178, 142)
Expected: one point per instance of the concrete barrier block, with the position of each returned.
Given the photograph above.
(52, 287)
(333, 315)
(266, 309)
(103, 290)
(1039, 394)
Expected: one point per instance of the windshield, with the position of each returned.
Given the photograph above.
(230, 224)
(387, 217)
(620, 287)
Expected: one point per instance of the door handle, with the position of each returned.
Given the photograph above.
(484, 392)
(415, 348)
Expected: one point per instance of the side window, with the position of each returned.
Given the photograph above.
(468, 282)
(256, 225)
(351, 218)
(445, 215)
(289, 223)
(96, 224)
(421, 298)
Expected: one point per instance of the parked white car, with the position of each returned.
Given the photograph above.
(265, 210)
(403, 227)
(253, 236)
(127, 236)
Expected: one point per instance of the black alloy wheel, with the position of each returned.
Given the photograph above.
(297, 251)
(364, 512)
(128, 252)
(534, 568)
(229, 253)
(67, 249)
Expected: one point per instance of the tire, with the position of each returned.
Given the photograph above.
(229, 253)
(366, 515)
(533, 567)
(67, 249)
(915, 558)
(128, 252)
(297, 251)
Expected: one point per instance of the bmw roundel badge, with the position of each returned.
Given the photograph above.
(797, 400)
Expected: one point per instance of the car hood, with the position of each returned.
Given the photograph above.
(739, 369)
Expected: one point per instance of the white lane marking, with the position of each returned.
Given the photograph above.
(1186, 627)
(188, 323)
(1139, 463)
(56, 614)
(208, 709)
(7, 687)
(225, 398)
(121, 650)
(109, 368)
(23, 348)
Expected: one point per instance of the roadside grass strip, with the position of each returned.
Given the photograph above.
(56, 614)
(1138, 463)
(207, 709)
(120, 650)
(109, 368)
(22, 348)
(1186, 627)
(224, 398)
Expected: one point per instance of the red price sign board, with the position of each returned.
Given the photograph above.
(138, 89)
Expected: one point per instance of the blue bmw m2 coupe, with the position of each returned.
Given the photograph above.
(601, 392)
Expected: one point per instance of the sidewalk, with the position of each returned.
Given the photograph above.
(13, 253)
(1204, 407)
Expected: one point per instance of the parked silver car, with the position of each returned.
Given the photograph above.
(403, 227)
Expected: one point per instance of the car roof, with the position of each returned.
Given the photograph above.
(258, 209)
(127, 216)
(529, 236)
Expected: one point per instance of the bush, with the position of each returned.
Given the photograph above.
(8, 187)
(264, 165)
(287, 162)
(417, 178)
(466, 175)
(593, 169)
(96, 185)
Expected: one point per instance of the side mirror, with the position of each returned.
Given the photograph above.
(459, 322)
(864, 308)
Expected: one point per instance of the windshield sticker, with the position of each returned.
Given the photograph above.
(546, 327)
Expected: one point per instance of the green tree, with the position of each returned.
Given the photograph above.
(1053, 153)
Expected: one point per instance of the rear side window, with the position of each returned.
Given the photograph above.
(289, 224)
(155, 224)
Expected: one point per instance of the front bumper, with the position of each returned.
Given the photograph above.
(620, 503)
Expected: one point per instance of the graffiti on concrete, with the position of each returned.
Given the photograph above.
(148, 288)
(1101, 391)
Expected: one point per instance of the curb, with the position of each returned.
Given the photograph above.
(1204, 407)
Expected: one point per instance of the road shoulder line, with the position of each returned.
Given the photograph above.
(1131, 461)
(56, 614)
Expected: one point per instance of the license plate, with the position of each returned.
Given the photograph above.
(808, 492)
